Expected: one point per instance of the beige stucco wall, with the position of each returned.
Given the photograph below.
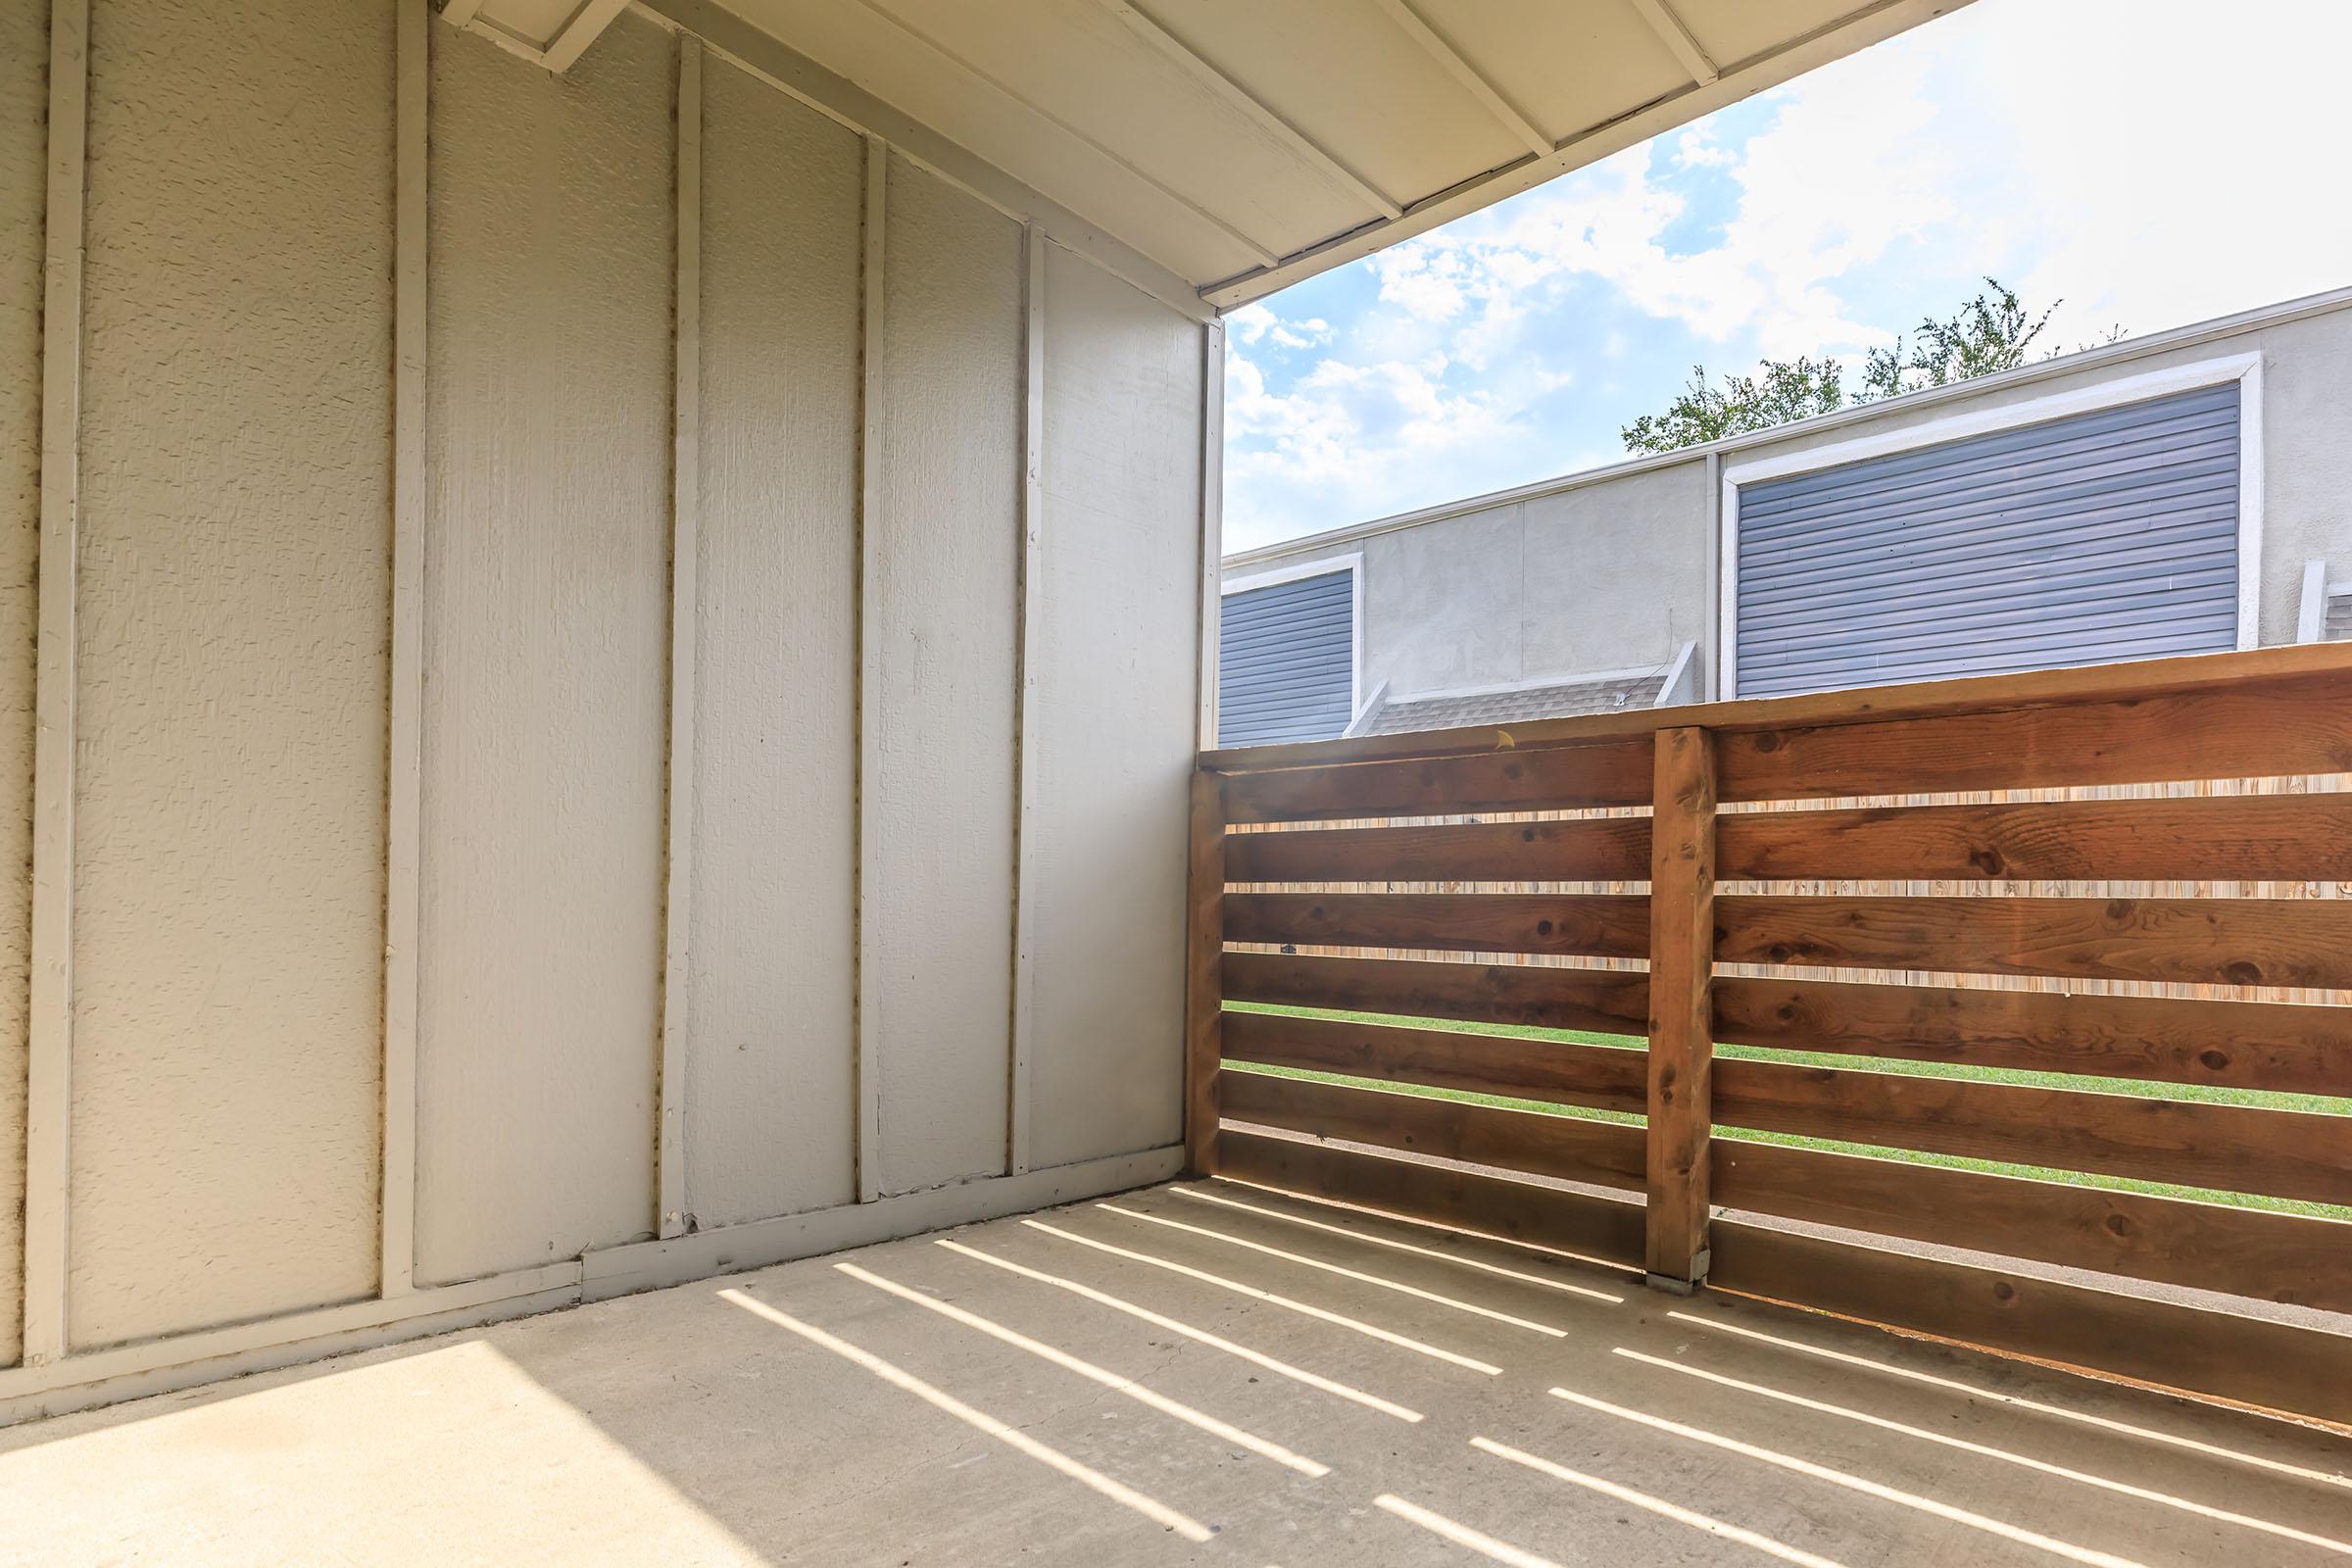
(945, 556)
(229, 830)
(545, 648)
(24, 139)
(1114, 715)
(770, 1061)
(236, 602)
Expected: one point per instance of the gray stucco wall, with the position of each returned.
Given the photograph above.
(1617, 569)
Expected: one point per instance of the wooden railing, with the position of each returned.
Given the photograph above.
(1743, 801)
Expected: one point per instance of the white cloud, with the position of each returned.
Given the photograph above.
(1256, 323)
(2128, 155)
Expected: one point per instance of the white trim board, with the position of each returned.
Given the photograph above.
(209, 1355)
(403, 794)
(1326, 566)
(49, 1020)
(1029, 625)
(837, 98)
(732, 1249)
(2243, 369)
(671, 1202)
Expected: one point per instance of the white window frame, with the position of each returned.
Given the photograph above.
(1321, 566)
(2243, 369)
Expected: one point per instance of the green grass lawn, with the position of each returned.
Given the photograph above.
(1808, 1058)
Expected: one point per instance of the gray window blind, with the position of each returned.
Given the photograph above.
(1286, 661)
(2104, 537)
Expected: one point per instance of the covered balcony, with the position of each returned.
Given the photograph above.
(628, 943)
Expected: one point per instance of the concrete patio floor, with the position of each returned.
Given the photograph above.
(1191, 1374)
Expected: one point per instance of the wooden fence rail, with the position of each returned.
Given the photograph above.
(1780, 915)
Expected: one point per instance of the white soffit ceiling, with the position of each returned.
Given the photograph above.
(1243, 145)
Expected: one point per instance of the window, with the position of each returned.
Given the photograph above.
(1286, 655)
(2108, 523)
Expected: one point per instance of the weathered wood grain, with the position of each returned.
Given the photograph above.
(1588, 1225)
(2239, 1148)
(1547, 996)
(1560, 925)
(2280, 1047)
(2228, 941)
(1682, 1040)
(2278, 1366)
(1601, 849)
(2243, 1252)
(1572, 1149)
(2248, 837)
(1612, 772)
(1205, 956)
(1602, 1077)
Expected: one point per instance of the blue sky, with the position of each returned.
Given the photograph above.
(2149, 161)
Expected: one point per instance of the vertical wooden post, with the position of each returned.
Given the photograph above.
(1205, 983)
(1682, 1022)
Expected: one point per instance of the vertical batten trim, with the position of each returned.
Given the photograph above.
(867, 1009)
(48, 1104)
(685, 596)
(1031, 592)
(1212, 528)
(403, 794)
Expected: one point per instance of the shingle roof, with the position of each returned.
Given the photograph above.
(1563, 701)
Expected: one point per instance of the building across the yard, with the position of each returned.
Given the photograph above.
(2186, 492)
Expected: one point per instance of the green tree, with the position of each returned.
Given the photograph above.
(1991, 332)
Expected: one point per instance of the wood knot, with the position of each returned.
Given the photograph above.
(2242, 973)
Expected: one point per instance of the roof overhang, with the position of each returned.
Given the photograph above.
(1241, 146)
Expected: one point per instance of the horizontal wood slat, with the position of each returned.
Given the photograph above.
(1602, 1077)
(2249, 837)
(1613, 772)
(2278, 1366)
(2231, 941)
(1558, 925)
(2238, 1149)
(2288, 672)
(1583, 1223)
(2257, 731)
(1601, 1000)
(2281, 1047)
(2278, 1257)
(1601, 849)
(1569, 1148)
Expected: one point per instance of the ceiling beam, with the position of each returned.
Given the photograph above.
(1858, 30)
(1281, 129)
(586, 23)
(1417, 29)
(458, 13)
(1265, 257)
(844, 102)
(1677, 36)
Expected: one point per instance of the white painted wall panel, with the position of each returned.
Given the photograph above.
(23, 88)
(770, 1106)
(232, 603)
(1116, 693)
(945, 551)
(546, 650)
